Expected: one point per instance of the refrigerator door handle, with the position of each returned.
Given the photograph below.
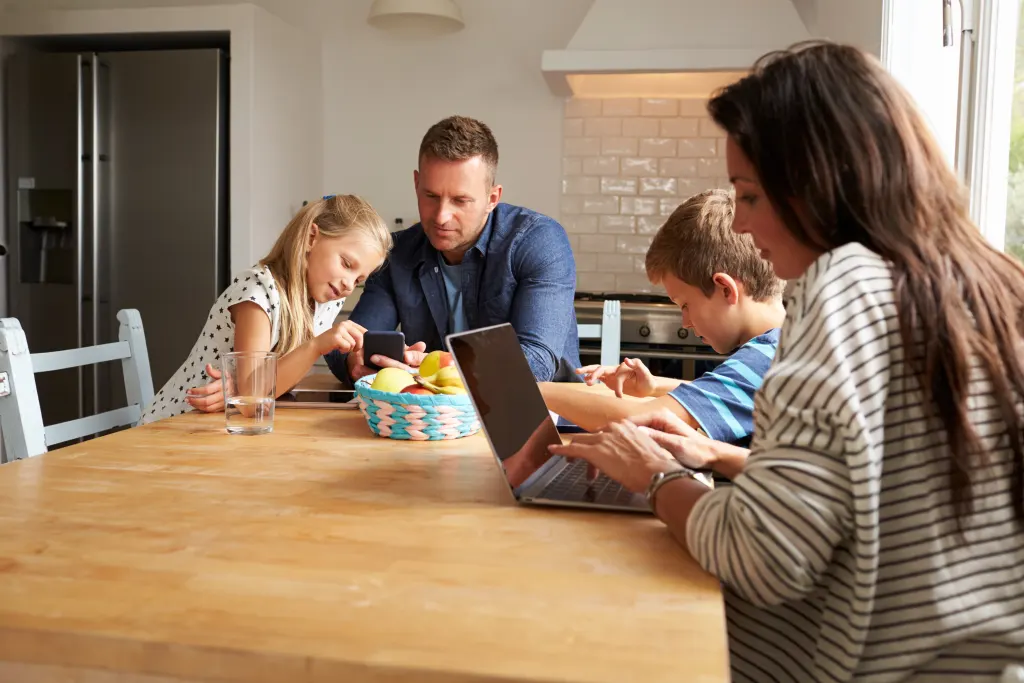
(95, 226)
(80, 225)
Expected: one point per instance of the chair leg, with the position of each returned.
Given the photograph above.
(21, 419)
(138, 380)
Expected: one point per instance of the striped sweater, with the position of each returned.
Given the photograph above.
(838, 545)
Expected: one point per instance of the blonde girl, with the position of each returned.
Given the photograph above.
(287, 303)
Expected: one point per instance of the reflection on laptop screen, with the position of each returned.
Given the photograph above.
(506, 395)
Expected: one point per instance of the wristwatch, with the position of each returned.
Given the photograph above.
(661, 478)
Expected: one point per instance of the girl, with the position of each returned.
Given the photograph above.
(876, 531)
(289, 301)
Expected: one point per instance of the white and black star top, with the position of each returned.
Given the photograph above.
(255, 285)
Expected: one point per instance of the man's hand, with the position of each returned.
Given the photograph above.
(210, 397)
(414, 355)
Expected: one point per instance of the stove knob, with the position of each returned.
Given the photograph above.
(645, 331)
(682, 333)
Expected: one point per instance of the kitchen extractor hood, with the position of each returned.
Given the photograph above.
(670, 41)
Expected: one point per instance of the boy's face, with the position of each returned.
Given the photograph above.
(712, 318)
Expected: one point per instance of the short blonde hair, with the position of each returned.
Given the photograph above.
(697, 241)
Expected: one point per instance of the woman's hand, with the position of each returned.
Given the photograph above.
(345, 336)
(687, 445)
(631, 377)
(624, 451)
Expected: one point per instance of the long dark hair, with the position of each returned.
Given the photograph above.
(831, 132)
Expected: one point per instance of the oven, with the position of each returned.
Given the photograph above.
(651, 331)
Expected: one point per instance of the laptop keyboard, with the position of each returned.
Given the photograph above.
(571, 484)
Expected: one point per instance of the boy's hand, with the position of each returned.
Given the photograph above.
(631, 377)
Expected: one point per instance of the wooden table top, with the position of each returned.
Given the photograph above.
(175, 552)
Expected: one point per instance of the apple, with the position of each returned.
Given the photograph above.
(417, 389)
(434, 361)
(392, 380)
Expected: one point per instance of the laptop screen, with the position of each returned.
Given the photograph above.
(507, 398)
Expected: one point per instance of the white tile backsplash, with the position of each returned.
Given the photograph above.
(628, 163)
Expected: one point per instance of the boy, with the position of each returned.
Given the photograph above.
(729, 296)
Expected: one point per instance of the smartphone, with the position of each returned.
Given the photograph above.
(390, 344)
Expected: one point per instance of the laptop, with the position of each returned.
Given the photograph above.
(519, 427)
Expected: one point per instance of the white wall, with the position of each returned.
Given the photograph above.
(858, 22)
(381, 94)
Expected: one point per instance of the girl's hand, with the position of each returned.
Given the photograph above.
(345, 336)
(630, 377)
(210, 397)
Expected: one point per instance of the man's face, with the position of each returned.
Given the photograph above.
(454, 199)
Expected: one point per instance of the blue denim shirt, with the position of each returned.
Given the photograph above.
(520, 271)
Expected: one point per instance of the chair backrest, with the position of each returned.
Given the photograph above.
(21, 419)
(1013, 673)
(609, 332)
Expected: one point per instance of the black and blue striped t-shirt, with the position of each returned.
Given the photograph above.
(722, 400)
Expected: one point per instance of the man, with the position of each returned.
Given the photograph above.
(471, 262)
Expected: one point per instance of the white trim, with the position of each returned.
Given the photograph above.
(990, 117)
(888, 31)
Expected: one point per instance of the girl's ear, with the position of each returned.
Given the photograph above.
(314, 232)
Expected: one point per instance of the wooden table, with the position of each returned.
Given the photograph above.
(175, 552)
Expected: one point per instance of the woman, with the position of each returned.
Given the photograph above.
(876, 531)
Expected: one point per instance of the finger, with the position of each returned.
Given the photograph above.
(206, 390)
(212, 372)
(670, 442)
(207, 402)
(357, 338)
(615, 382)
(344, 341)
(570, 450)
(592, 473)
(586, 369)
(418, 347)
(598, 374)
(660, 419)
(352, 324)
(414, 358)
(385, 362)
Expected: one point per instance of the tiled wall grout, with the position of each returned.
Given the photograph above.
(628, 163)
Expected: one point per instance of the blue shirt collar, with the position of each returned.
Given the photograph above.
(430, 254)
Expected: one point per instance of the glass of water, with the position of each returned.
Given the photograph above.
(250, 390)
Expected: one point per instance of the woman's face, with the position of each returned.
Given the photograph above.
(755, 216)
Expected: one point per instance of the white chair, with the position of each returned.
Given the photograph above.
(609, 332)
(1013, 673)
(21, 419)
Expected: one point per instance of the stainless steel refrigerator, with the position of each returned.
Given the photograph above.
(117, 195)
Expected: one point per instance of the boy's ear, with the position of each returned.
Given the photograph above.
(726, 285)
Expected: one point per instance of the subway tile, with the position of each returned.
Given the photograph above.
(659, 107)
(601, 165)
(679, 128)
(709, 129)
(582, 147)
(632, 244)
(621, 146)
(721, 147)
(572, 166)
(595, 282)
(576, 108)
(574, 243)
(696, 147)
(621, 106)
(648, 225)
(657, 147)
(711, 168)
(661, 187)
(668, 205)
(677, 167)
(693, 107)
(687, 187)
(638, 166)
(581, 185)
(640, 127)
(597, 243)
(572, 204)
(622, 225)
(585, 261)
(615, 263)
(572, 128)
(633, 283)
(579, 224)
(639, 206)
(600, 204)
(613, 185)
(640, 264)
(603, 127)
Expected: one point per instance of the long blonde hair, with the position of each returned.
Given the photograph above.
(334, 216)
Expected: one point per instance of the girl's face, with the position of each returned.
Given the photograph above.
(335, 265)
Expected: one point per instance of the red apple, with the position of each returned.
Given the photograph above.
(416, 389)
(434, 361)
